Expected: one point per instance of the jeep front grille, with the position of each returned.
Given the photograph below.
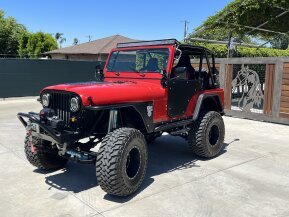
(60, 102)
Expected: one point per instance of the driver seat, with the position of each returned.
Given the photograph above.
(153, 65)
(185, 61)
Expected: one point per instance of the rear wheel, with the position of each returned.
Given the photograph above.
(207, 135)
(41, 155)
(122, 161)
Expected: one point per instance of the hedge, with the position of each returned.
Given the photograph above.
(221, 51)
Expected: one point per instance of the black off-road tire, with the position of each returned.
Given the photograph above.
(122, 161)
(207, 135)
(44, 157)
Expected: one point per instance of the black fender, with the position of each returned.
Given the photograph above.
(144, 109)
(204, 100)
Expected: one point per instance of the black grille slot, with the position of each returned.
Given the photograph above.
(60, 103)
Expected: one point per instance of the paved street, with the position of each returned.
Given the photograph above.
(249, 178)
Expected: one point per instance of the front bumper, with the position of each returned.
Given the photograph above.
(45, 132)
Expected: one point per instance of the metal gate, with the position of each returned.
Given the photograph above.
(256, 88)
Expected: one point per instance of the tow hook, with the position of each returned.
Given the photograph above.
(32, 146)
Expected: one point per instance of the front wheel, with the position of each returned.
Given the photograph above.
(122, 161)
(41, 155)
(207, 135)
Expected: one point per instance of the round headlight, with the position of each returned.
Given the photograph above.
(45, 99)
(74, 104)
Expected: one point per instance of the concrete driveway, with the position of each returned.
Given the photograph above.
(249, 178)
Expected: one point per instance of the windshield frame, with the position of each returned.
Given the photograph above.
(167, 49)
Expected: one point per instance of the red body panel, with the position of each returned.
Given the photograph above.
(193, 101)
(115, 92)
(129, 87)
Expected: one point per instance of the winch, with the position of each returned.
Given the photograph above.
(48, 117)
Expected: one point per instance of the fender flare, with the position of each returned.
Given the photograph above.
(141, 108)
(202, 98)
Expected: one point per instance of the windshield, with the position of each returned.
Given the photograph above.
(148, 60)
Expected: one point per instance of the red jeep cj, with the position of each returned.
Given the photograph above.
(145, 89)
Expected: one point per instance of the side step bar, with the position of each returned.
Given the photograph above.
(170, 125)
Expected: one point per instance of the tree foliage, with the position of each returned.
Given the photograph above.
(280, 42)
(22, 48)
(59, 38)
(75, 41)
(16, 40)
(10, 34)
(34, 44)
(239, 15)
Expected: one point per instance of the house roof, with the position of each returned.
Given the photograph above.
(99, 46)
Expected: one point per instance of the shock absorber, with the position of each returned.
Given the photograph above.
(112, 124)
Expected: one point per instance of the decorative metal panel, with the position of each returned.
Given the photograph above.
(248, 84)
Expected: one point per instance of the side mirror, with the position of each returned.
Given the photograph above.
(98, 74)
(180, 73)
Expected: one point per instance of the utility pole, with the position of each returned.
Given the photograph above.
(89, 37)
(185, 28)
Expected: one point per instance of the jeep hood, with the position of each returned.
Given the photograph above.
(107, 93)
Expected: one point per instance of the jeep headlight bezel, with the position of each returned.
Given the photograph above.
(45, 99)
(74, 104)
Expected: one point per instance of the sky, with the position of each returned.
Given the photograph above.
(143, 20)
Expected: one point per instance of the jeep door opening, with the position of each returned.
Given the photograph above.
(146, 88)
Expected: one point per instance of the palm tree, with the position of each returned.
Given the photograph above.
(75, 41)
(59, 38)
(58, 35)
(61, 41)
